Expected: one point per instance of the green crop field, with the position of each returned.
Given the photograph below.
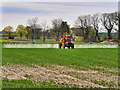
(59, 67)
(77, 58)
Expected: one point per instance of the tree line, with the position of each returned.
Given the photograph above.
(84, 26)
(109, 21)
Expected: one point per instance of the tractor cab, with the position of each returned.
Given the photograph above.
(68, 38)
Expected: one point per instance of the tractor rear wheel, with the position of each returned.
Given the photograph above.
(72, 47)
(68, 47)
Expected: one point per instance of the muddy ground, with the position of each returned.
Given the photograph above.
(59, 75)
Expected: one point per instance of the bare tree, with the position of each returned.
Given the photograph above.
(33, 21)
(95, 20)
(108, 23)
(84, 23)
(119, 26)
(28, 28)
(44, 29)
(34, 27)
(38, 31)
(56, 24)
(116, 18)
(119, 21)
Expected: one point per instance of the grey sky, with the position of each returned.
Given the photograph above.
(15, 13)
(60, 1)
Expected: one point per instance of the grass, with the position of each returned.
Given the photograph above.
(104, 83)
(30, 84)
(17, 39)
(76, 58)
(10, 41)
(28, 76)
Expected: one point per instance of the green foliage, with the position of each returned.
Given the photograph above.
(91, 35)
(8, 30)
(78, 39)
(3, 41)
(104, 83)
(77, 58)
(59, 28)
(86, 33)
(77, 31)
(30, 84)
(21, 30)
(64, 27)
(104, 37)
(28, 76)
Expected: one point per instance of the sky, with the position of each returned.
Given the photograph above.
(60, 0)
(15, 13)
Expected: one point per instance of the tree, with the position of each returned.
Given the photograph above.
(21, 30)
(119, 25)
(60, 26)
(8, 30)
(104, 37)
(119, 20)
(34, 26)
(38, 31)
(77, 31)
(83, 22)
(108, 23)
(95, 23)
(116, 18)
(48, 34)
(92, 35)
(56, 24)
(44, 29)
(28, 28)
(64, 27)
(52, 33)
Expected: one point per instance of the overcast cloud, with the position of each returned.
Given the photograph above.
(15, 13)
(60, 0)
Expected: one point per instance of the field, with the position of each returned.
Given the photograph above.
(17, 39)
(48, 67)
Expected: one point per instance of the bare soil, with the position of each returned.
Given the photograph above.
(58, 74)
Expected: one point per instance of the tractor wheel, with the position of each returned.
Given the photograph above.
(72, 47)
(60, 45)
(68, 47)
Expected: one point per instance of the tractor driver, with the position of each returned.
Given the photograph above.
(62, 41)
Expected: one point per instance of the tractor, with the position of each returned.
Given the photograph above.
(67, 43)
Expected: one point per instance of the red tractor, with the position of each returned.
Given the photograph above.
(67, 43)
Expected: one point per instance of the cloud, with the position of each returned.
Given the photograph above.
(15, 13)
(58, 7)
(8, 10)
(61, 1)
